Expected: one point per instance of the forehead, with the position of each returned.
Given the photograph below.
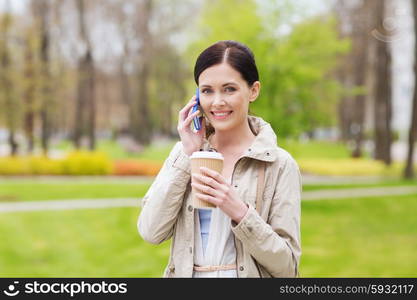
(220, 74)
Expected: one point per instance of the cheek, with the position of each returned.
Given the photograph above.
(205, 107)
(239, 103)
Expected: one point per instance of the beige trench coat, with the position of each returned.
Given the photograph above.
(267, 244)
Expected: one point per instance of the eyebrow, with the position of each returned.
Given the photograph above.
(227, 83)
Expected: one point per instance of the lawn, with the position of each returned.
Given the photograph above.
(115, 150)
(79, 243)
(382, 183)
(373, 237)
(31, 190)
(35, 191)
(363, 237)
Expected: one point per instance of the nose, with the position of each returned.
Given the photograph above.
(218, 99)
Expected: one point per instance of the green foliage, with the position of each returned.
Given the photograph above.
(297, 94)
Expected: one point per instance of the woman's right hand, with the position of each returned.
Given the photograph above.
(191, 141)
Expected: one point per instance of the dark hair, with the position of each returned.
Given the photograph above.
(237, 55)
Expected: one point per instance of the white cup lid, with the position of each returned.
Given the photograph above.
(207, 154)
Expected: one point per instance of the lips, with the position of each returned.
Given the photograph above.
(219, 115)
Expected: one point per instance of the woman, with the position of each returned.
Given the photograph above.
(234, 239)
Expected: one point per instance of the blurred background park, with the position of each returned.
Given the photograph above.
(89, 98)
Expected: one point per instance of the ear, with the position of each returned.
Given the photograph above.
(254, 91)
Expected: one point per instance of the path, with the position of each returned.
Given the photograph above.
(135, 202)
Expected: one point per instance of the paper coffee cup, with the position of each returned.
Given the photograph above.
(210, 160)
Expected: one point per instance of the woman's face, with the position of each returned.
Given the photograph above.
(225, 96)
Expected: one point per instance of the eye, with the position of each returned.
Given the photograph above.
(230, 89)
(205, 91)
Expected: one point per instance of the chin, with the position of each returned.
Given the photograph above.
(223, 127)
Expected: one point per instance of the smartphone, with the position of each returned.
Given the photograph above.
(197, 120)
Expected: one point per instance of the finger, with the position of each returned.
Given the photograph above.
(206, 180)
(186, 109)
(216, 175)
(208, 198)
(205, 189)
(190, 118)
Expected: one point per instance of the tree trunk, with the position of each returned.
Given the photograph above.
(29, 96)
(46, 89)
(91, 125)
(142, 125)
(125, 86)
(6, 83)
(360, 51)
(383, 105)
(85, 88)
(409, 168)
(344, 71)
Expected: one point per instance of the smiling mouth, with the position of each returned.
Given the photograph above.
(222, 115)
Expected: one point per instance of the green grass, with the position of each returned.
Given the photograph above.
(391, 183)
(369, 237)
(116, 151)
(29, 190)
(32, 191)
(315, 149)
(79, 243)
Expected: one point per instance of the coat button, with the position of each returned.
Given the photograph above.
(190, 208)
(267, 153)
(235, 185)
(241, 268)
(249, 149)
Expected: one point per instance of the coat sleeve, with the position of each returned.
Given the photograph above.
(276, 244)
(162, 202)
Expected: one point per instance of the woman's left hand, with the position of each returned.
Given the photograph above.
(216, 190)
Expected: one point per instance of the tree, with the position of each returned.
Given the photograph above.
(360, 49)
(142, 126)
(30, 85)
(382, 103)
(41, 9)
(7, 83)
(412, 134)
(85, 86)
(297, 94)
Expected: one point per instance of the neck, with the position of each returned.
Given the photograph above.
(233, 140)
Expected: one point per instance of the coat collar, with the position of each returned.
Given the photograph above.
(264, 147)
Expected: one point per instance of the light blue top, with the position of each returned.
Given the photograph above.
(205, 217)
